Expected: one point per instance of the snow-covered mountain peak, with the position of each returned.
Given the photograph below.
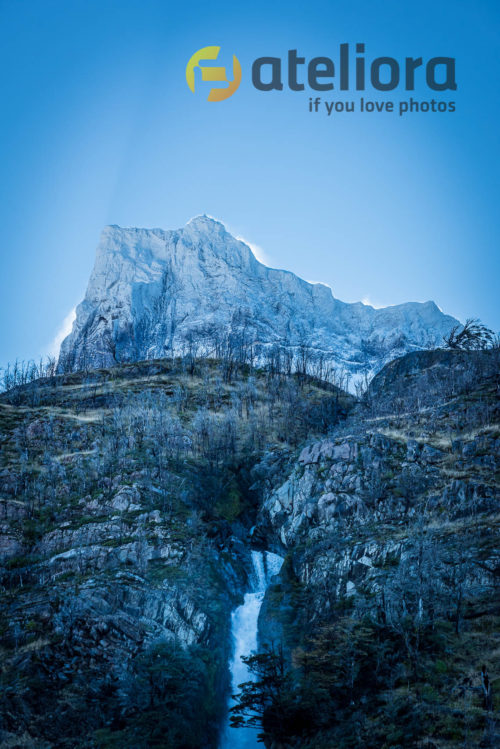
(204, 222)
(153, 292)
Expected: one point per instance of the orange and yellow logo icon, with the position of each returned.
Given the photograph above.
(213, 74)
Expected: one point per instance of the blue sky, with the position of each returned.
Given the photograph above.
(98, 126)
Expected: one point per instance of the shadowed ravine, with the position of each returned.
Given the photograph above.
(244, 630)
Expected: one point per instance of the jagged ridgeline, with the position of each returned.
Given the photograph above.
(133, 497)
(199, 291)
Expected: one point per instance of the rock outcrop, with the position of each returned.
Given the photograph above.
(125, 514)
(131, 499)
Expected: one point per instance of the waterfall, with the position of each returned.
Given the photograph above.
(244, 622)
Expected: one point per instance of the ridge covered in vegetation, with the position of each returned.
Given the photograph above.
(127, 496)
(130, 500)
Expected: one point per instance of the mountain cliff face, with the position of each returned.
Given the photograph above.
(198, 289)
(387, 609)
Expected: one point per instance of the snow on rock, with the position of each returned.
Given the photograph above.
(154, 292)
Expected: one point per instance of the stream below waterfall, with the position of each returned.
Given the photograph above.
(244, 626)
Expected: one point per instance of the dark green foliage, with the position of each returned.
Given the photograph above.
(351, 686)
(168, 702)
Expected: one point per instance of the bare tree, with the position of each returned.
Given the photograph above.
(472, 335)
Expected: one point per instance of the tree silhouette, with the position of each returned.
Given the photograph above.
(472, 335)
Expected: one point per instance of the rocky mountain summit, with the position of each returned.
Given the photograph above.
(154, 293)
(131, 501)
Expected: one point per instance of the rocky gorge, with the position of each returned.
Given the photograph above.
(133, 498)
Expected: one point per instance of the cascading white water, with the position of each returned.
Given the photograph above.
(244, 623)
